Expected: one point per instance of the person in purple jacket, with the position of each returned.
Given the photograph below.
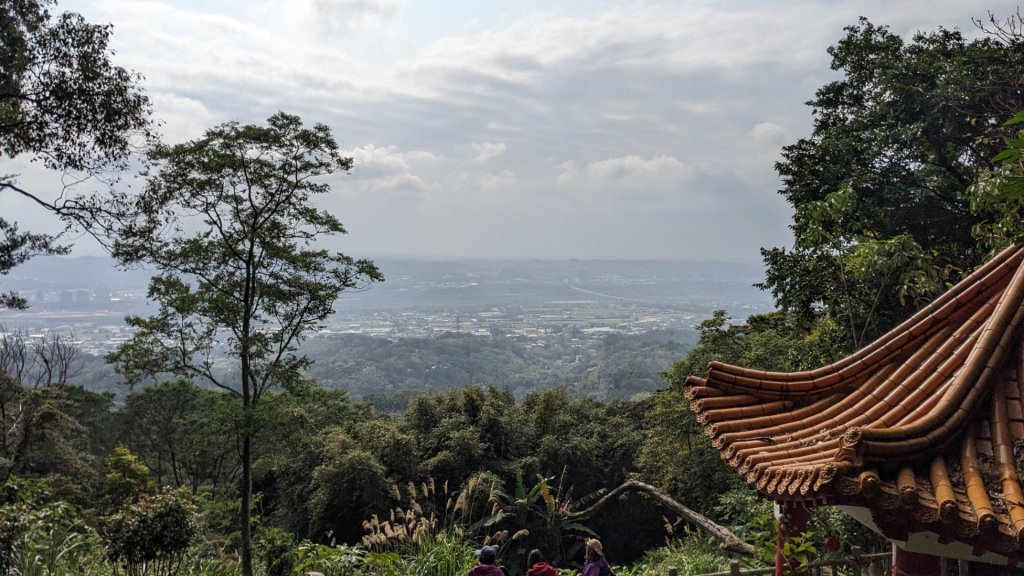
(595, 564)
(485, 563)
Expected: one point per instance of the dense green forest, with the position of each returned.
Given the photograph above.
(912, 175)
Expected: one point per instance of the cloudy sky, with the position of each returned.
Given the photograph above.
(529, 129)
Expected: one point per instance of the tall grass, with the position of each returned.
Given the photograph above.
(692, 556)
(441, 555)
(48, 539)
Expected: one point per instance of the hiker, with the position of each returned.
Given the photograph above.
(595, 564)
(537, 566)
(485, 563)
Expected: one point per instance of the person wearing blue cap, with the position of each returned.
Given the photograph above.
(486, 558)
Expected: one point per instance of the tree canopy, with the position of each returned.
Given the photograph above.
(882, 220)
(64, 104)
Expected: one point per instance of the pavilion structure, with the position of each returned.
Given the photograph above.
(919, 435)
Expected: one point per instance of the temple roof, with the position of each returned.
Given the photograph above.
(924, 427)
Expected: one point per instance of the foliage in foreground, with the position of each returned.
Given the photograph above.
(40, 536)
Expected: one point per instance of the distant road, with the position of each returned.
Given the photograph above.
(610, 296)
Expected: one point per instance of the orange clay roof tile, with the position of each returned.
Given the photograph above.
(922, 426)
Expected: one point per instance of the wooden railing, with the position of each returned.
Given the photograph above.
(857, 564)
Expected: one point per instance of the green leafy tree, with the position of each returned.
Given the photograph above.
(150, 535)
(347, 486)
(126, 478)
(676, 455)
(881, 219)
(48, 426)
(180, 432)
(228, 224)
(773, 341)
(394, 449)
(999, 193)
(64, 104)
(293, 431)
(447, 429)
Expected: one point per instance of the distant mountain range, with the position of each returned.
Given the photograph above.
(422, 283)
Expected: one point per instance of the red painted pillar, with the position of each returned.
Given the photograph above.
(914, 564)
(792, 521)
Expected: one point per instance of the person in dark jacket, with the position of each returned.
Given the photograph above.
(486, 558)
(537, 565)
(595, 564)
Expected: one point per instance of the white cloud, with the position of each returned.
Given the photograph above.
(342, 16)
(191, 116)
(630, 130)
(767, 134)
(387, 169)
(630, 169)
(486, 150)
(386, 159)
(501, 180)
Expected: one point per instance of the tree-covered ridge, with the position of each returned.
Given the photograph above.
(614, 366)
(390, 372)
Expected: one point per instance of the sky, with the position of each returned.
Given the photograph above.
(557, 129)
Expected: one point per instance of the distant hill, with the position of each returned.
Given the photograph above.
(601, 328)
(389, 372)
(65, 273)
(418, 283)
(614, 366)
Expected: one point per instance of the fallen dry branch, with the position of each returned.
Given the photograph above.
(729, 541)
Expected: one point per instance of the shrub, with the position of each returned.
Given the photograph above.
(277, 549)
(382, 564)
(692, 556)
(151, 535)
(339, 560)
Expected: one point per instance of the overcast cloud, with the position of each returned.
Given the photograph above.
(568, 129)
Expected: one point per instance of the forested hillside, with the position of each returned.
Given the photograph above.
(610, 367)
(389, 373)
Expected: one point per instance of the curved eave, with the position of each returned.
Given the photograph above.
(923, 421)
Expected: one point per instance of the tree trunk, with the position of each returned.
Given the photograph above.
(246, 506)
(246, 519)
(729, 541)
(248, 400)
